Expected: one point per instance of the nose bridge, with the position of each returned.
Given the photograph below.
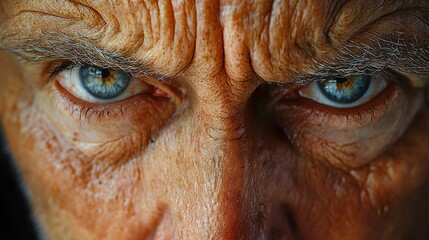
(216, 148)
(212, 206)
(219, 150)
(211, 199)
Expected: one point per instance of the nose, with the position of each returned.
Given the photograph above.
(220, 181)
(217, 181)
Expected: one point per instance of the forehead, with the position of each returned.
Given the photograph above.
(277, 39)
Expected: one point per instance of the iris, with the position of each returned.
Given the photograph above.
(345, 90)
(104, 83)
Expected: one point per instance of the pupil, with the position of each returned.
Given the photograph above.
(341, 80)
(105, 73)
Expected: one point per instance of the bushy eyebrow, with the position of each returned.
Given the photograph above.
(375, 55)
(78, 50)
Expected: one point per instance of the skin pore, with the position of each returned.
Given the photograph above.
(221, 134)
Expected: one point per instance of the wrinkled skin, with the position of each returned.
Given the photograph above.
(219, 154)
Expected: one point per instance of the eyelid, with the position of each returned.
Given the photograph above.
(57, 69)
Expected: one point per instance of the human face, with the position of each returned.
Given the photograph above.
(219, 119)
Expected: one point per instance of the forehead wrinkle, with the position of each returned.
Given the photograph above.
(291, 37)
(162, 31)
(355, 15)
(31, 20)
(71, 10)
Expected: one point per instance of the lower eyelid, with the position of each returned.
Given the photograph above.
(332, 118)
(133, 108)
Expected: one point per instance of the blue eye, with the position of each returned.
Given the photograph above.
(98, 85)
(104, 83)
(345, 90)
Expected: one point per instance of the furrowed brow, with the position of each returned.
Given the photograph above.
(78, 50)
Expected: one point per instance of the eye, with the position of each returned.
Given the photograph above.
(347, 92)
(97, 85)
(349, 121)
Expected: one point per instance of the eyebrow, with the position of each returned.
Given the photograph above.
(375, 55)
(78, 50)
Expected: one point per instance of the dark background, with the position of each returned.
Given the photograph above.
(15, 221)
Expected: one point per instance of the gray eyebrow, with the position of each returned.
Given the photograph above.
(375, 55)
(79, 50)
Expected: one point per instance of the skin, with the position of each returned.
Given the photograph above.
(217, 152)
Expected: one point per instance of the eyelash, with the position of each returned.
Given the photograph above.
(63, 66)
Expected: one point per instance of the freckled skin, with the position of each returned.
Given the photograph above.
(224, 158)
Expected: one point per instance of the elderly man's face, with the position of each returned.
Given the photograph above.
(219, 120)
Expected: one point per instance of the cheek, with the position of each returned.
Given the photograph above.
(401, 172)
(68, 187)
(389, 194)
(353, 138)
